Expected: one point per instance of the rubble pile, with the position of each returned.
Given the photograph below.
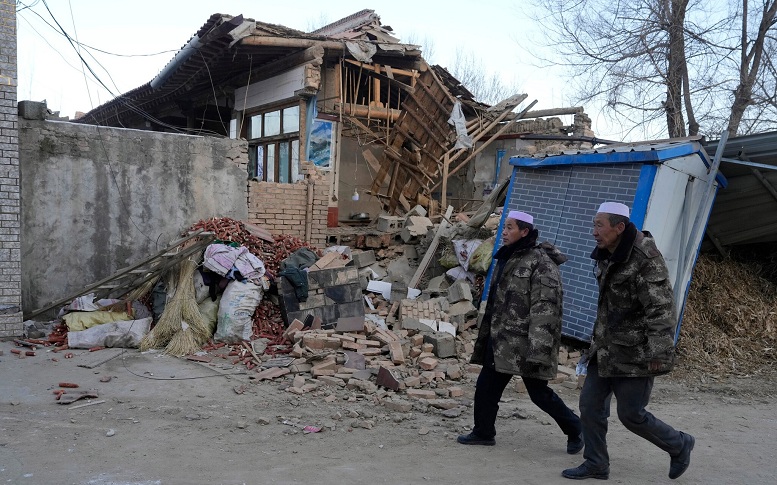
(351, 327)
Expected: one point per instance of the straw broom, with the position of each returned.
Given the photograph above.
(192, 330)
(170, 320)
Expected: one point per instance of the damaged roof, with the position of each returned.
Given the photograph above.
(231, 51)
(746, 212)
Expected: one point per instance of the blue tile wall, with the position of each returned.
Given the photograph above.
(563, 202)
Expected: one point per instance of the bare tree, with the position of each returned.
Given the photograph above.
(487, 87)
(427, 46)
(700, 66)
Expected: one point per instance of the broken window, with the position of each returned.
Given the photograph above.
(274, 144)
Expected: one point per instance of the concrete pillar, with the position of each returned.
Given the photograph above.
(10, 230)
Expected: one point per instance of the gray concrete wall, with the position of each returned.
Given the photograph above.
(10, 253)
(96, 199)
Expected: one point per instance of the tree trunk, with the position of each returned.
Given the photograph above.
(674, 12)
(750, 63)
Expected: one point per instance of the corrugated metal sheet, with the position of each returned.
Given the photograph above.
(746, 211)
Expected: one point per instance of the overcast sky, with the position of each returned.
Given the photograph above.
(498, 32)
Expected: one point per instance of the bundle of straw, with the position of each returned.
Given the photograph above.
(170, 320)
(190, 311)
(184, 342)
(191, 330)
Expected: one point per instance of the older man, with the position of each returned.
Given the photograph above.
(521, 332)
(633, 342)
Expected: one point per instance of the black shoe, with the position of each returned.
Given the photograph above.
(680, 462)
(473, 439)
(575, 444)
(582, 472)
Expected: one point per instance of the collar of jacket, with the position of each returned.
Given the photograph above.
(505, 252)
(623, 250)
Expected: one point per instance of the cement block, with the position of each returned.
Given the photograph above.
(390, 223)
(362, 259)
(32, 110)
(417, 211)
(443, 344)
(459, 291)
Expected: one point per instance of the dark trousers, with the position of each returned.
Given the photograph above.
(488, 392)
(632, 395)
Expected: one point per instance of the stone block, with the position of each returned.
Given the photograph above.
(437, 285)
(397, 355)
(463, 308)
(428, 363)
(456, 391)
(443, 344)
(418, 210)
(32, 110)
(362, 259)
(421, 394)
(453, 372)
(293, 327)
(388, 223)
(350, 324)
(332, 381)
(386, 379)
(413, 381)
(459, 291)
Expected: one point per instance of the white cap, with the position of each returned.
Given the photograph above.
(614, 208)
(521, 216)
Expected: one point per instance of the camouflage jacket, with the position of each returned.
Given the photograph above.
(636, 314)
(523, 315)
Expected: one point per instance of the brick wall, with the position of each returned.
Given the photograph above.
(10, 242)
(283, 208)
(564, 201)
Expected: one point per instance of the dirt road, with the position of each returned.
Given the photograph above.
(164, 422)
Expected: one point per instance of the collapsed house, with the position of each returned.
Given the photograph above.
(349, 99)
(248, 114)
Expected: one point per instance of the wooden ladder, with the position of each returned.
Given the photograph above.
(131, 277)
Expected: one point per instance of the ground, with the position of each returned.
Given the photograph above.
(170, 421)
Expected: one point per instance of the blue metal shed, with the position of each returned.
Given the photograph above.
(667, 185)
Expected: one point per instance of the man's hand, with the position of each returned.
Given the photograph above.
(654, 365)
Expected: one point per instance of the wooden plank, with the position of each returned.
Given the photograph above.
(431, 96)
(88, 289)
(432, 249)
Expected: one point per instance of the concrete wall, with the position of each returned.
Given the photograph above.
(96, 199)
(10, 233)
(288, 208)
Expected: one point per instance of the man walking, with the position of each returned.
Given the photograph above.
(633, 341)
(521, 331)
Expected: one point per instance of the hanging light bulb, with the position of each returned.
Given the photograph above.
(355, 195)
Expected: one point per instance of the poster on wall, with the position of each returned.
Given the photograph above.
(321, 143)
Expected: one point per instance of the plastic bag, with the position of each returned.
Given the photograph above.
(77, 321)
(448, 259)
(210, 311)
(125, 334)
(236, 310)
(481, 257)
(464, 248)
